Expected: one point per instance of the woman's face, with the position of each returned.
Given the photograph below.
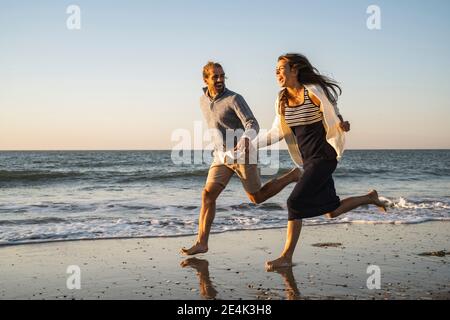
(286, 76)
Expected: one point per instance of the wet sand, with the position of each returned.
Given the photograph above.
(330, 263)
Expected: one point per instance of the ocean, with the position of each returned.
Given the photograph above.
(69, 195)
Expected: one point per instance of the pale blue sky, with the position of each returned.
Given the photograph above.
(132, 74)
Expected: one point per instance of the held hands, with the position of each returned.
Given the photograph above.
(243, 145)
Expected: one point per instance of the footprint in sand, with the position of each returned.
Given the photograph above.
(327, 245)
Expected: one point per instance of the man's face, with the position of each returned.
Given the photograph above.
(215, 80)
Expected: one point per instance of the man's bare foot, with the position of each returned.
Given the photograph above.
(373, 195)
(281, 262)
(195, 249)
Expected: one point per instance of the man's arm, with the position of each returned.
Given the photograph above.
(248, 120)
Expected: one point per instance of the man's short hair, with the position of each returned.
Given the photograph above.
(208, 67)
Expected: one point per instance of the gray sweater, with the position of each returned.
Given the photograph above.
(228, 111)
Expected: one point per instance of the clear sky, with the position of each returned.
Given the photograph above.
(132, 74)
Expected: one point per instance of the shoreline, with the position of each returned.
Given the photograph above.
(5, 245)
(331, 262)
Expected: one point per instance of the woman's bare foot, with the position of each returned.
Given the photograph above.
(281, 262)
(195, 249)
(373, 195)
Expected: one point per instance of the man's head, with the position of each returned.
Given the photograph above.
(214, 77)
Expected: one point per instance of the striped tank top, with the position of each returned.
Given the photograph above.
(303, 114)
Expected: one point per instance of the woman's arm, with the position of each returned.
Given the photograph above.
(344, 125)
(270, 137)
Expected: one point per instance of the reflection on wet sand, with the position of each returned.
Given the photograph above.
(207, 290)
(292, 292)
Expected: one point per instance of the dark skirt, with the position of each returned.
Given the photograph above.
(314, 194)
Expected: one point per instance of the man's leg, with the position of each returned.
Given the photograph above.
(207, 213)
(274, 186)
(218, 177)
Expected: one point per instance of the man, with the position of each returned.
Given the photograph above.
(228, 114)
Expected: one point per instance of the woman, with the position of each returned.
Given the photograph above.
(308, 119)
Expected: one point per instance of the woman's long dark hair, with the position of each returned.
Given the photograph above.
(308, 74)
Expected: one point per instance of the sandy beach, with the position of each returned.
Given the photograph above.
(330, 263)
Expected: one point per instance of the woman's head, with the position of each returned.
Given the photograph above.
(294, 70)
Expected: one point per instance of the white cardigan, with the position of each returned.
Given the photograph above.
(334, 134)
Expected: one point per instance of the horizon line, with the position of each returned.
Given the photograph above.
(284, 149)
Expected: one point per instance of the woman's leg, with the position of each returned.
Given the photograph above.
(294, 227)
(292, 235)
(354, 202)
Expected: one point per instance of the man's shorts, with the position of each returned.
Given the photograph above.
(248, 173)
